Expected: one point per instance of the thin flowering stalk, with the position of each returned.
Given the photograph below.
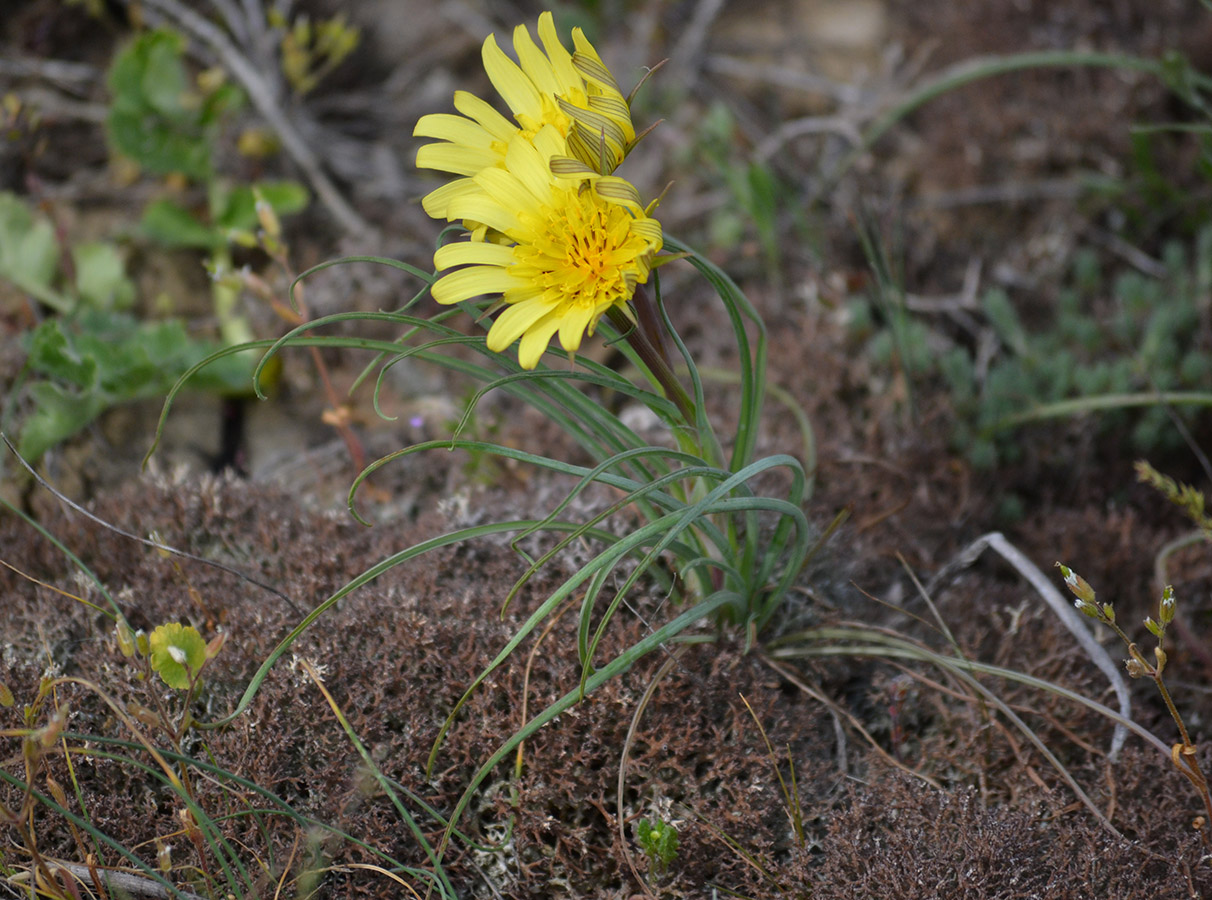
(1182, 754)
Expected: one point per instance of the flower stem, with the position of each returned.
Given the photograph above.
(644, 336)
(1182, 728)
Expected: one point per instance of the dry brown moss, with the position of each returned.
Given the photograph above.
(398, 653)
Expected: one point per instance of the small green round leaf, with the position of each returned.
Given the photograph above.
(177, 651)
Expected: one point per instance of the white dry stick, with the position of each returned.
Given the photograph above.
(796, 128)
(1069, 616)
(118, 883)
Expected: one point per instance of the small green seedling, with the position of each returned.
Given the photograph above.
(177, 654)
(659, 841)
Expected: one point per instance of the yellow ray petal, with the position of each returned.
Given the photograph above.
(573, 324)
(590, 65)
(506, 189)
(616, 108)
(472, 252)
(650, 230)
(475, 108)
(456, 129)
(511, 82)
(535, 341)
(437, 202)
(594, 123)
(475, 281)
(455, 159)
(534, 63)
(515, 320)
(529, 167)
(479, 207)
(618, 190)
(549, 142)
(561, 60)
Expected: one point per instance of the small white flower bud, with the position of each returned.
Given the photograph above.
(1165, 610)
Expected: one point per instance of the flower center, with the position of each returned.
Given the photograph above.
(583, 251)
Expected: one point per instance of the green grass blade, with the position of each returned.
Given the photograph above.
(1098, 403)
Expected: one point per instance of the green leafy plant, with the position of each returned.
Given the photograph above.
(96, 353)
(1123, 344)
(90, 362)
(151, 76)
(658, 840)
(1140, 351)
(168, 125)
(92, 276)
(177, 654)
(157, 117)
(230, 216)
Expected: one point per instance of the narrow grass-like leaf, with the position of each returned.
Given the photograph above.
(605, 560)
(681, 550)
(859, 641)
(1097, 403)
(377, 773)
(428, 277)
(607, 478)
(663, 407)
(279, 805)
(71, 557)
(746, 609)
(751, 360)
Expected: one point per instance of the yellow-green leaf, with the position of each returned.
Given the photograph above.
(177, 653)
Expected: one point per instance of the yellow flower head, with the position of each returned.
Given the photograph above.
(573, 93)
(581, 242)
